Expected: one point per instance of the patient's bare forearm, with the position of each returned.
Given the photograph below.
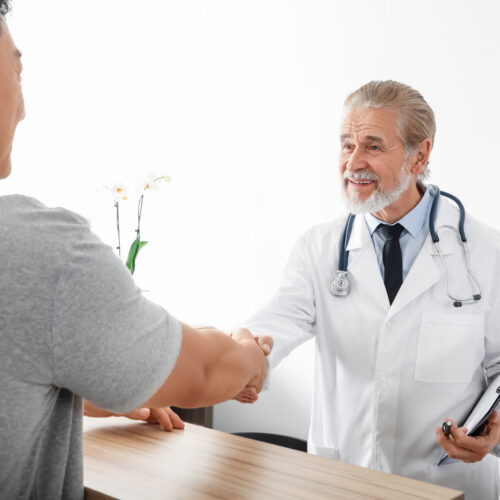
(211, 368)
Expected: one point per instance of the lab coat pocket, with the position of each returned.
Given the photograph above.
(477, 480)
(450, 347)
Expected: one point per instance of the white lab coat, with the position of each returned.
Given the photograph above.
(386, 375)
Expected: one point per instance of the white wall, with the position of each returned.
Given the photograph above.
(239, 101)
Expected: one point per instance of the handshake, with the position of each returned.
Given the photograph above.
(212, 367)
(250, 393)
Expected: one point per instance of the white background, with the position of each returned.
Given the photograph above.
(240, 102)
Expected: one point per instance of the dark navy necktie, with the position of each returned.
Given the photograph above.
(392, 258)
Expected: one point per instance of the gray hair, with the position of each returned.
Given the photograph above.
(416, 120)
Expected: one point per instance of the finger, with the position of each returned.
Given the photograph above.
(175, 419)
(461, 439)
(493, 418)
(162, 418)
(245, 400)
(247, 395)
(250, 391)
(454, 451)
(478, 444)
(266, 343)
(248, 398)
(242, 334)
(139, 414)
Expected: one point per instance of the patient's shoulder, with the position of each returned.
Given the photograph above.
(25, 212)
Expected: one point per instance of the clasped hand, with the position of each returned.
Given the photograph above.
(470, 449)
(250, 393)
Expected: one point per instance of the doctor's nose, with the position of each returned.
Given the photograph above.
(356, 161)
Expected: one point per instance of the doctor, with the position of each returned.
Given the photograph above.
(396, 355)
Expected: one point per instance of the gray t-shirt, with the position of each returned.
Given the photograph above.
(73, 325)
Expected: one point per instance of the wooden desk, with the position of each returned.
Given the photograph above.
(131, 460)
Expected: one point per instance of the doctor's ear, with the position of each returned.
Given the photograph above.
(420, 156)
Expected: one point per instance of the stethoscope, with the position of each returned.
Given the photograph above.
(341, 286)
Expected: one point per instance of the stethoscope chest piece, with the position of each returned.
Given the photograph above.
(340, 285)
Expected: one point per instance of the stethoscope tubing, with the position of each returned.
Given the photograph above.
(340, 286)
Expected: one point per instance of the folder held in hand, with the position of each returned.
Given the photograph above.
(479, 415)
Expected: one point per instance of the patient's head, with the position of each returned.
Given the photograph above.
(4, 6)
(11, 95)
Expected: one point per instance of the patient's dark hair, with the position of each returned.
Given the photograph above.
(4, 6)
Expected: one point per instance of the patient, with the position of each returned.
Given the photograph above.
(74, 325)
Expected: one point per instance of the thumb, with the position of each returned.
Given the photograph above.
(139, 414)
(266, 343)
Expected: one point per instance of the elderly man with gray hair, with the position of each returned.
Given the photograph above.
(406, 316)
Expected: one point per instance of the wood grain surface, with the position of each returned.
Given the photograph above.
(135, 460)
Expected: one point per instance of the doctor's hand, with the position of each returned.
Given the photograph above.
(470, 449)
(166, 417)
(250, 393)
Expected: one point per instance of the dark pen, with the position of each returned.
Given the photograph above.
(446, 428)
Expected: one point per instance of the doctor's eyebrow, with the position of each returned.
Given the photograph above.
(367, 138)
(374, 138)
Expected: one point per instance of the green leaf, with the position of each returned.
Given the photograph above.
(136, 246)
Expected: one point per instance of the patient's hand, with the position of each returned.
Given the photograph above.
(166, 417)
(245, 336)
(250, 393)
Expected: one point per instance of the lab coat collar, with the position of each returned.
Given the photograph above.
(425, 271)
(363, 262)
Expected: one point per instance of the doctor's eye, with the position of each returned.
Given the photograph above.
(374, 147)
(346, 147)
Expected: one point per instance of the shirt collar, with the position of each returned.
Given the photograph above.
(413, 221)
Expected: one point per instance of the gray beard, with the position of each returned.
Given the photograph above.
(379, 199)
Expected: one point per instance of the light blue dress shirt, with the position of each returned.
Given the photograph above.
(416, 229)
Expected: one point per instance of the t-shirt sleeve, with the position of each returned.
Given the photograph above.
(111, 345)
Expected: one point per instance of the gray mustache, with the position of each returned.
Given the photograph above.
(362, 176)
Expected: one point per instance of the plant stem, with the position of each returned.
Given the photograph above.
(139, 215)
(119, 247)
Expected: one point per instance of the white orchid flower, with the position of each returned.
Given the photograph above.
(154, 181)
(119, 192)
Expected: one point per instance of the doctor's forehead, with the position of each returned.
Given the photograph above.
(376, 122)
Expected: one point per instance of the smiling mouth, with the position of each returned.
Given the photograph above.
(360, 182)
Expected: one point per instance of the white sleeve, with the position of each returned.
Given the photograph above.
(492, 349)
(290, 316)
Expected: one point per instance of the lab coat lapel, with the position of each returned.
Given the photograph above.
(363, 262)
(426, 271)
